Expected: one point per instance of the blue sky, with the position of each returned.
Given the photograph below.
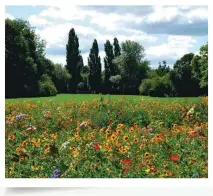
(166, 32)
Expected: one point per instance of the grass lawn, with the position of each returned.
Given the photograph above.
(88, 97)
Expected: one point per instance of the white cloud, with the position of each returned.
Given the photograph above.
(162, 13)
(57, 58)
(10, 16)
(38, 21)
(175, 47)
(199, 13)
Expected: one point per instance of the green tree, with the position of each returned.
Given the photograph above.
(131, 66)
(204, 66)
(117, 48)
(110, 67)
(94, 63)
(74, 60)
(162, 69)
(182, 77)
(62, 78)
(22, 48)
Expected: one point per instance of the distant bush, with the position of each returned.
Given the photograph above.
(46, 86)
(157, 86)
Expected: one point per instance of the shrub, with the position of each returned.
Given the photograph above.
(145, 87)
(80, 86)
(46, 86)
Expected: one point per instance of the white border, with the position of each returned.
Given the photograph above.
(100, 182)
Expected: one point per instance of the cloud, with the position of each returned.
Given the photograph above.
(175, 47)
(57, 58)
(10, 16)
(38, 21)
(166, 32)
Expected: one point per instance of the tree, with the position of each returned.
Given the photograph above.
(204, 66)
(62, 78)
(74, 60)
(182, 77)
(129, 64)
(162, 70)
(110, 67)
(94, 63)
(117, 49)
(21, 55)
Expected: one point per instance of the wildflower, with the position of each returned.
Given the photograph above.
(125, 138)
(147, 171)
(141, 165)
(126, 169)
(83, 124)
(195, 175)
(147, 155)
(155, 170)
(22, 158)
(136, 140)
(131, 130)
(20, 116)
(31, 128)
(12, 137)
(127, 161)
(113, 137)
(108, 169)
(65, 144)
(11, 170)
(175, 157)
(56, 173)
(96, 147)
(120, 126)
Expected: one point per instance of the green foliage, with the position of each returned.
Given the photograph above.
(94, 63)
(130, 65)
(46, 86)
(157, 86)
(204, 65)
(140, 117)
(74, 60)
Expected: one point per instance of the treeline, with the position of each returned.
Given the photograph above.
(126, 71)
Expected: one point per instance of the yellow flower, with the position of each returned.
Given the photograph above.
(108, 169)
(11, 170)
(120, 126)
(131, 130)
(146, 154)
(113, 137)
(125, 138)
(147, 171)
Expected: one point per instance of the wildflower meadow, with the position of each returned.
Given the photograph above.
(106, 138)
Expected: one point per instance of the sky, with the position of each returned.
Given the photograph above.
(166, 32)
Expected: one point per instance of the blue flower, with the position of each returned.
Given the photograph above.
(195, 175)
(56, 173)
(20, 116)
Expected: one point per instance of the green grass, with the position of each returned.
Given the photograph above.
(88, 97)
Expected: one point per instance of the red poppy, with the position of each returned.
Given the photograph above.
(192, 134)
(155, 169)
(150, 165)
(127, 161)
(161, 135)
(126, 169)
(141, 165)
(89, 167)
(175, 157)
(96, 147)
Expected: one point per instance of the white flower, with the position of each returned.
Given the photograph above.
(65, 144)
